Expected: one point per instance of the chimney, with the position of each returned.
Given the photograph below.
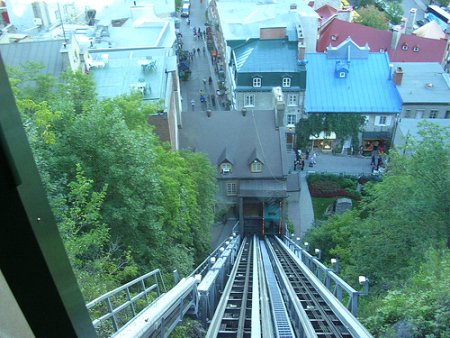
(301, 52)
(395, 38)
(411, 21)
(398, 76)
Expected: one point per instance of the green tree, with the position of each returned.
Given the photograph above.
(344, 125)
(98, 264)
(422, 308)
(394, 12)
(372, 17)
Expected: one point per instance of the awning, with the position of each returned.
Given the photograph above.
(324, 136)
(376, 135)
(262, 188)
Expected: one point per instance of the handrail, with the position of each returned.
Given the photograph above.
(204, 266)
(123, 303)
(327, 276)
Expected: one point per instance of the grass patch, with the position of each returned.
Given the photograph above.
(320, 204)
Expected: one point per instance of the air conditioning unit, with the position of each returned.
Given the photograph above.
(37, 21)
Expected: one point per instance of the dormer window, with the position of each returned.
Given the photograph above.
(405, 47)
(333, 37)
(226, 168)
(286, 82)
(256, 166)
(256, 82)
(416, 49)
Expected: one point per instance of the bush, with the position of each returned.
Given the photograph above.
(333, 186)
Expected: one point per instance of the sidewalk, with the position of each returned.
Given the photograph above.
(300, 209)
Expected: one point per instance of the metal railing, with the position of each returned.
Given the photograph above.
(340, 288)
(117, 307)
(204, 266)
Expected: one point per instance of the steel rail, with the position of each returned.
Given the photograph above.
(318, 301)
(230, 300)
(256, 317)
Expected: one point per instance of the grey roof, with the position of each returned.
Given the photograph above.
(243, 19)
(45, 52)
(416, 76)
(240, 136)
(411, 127)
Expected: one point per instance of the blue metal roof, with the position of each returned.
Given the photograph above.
(366, 88)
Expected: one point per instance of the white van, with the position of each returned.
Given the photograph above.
(185, 11)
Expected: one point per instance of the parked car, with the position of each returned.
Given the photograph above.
(185, 11)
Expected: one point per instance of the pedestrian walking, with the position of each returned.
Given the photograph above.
(199, 31)
(193, 51)
(198, 51)
(188, 21)
(302, 164)
(204, 50)
(213, 100)
(204, 82)
(193, 104)
(210, 81)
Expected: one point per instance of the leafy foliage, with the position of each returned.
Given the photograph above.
(394, 12)
(400, 219)
(372, 17)
(131, 204)
(343, 125)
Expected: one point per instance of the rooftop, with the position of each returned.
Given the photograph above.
(123, 73)
(424, 82)
(427, 50)
(45, 52)
(267, 56)
(364, 87)
(243, 20)
(240, 136)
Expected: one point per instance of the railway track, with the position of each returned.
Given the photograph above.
(271, 294)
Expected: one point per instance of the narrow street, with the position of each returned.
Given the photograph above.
(201, 64)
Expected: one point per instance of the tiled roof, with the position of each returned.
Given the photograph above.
(46, 52)
(430, 50)
(366, 88)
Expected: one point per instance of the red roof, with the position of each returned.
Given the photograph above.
(412, 48)
(325, 12)
(336, 31)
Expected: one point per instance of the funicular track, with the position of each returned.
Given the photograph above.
(322, 318)
(233, 317)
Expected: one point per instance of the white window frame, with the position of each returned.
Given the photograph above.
(419, 113)
(383, 120)
(292, 99)
(291, 118)
(434, 113)
(342, 75)
(249, 100)
(286, 83)
(231, 188)
(256, 167)
(257, 82)
(226, 168)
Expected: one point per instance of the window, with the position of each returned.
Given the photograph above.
(256, 166)
(383, 120)
(291, 119)
(286, 81)
(366, 119)
(231, 188)
(249, 100)
(292, 100)
(419, 113)
(226, 168)
(341, 74)
(433, 114)
(256, 82)
(416, 49)
(408, 113)
(405, 47)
